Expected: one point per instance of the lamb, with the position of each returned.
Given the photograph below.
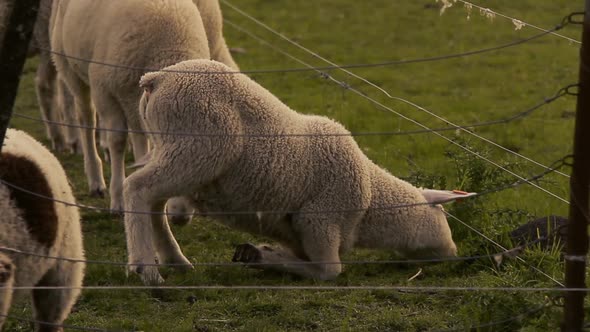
(132, 33)
(41, 226)
(318, 196)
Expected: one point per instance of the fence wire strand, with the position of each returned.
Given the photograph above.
(520, 115)
(556, 165)
(510, 253)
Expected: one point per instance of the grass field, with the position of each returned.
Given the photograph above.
(465, 90)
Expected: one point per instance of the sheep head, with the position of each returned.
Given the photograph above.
(437, 239)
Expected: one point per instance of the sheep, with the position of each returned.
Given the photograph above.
(40, 226)
(235, 170)
(132, 33)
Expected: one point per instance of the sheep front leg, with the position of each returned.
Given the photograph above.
(145, 191)
(112, 116)
(6, 283)
(281, 259)
(139, 231)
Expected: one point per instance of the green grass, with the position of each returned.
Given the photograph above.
(465, 90)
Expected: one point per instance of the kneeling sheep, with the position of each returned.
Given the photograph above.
(302, 179)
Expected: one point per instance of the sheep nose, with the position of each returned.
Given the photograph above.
(180, 220)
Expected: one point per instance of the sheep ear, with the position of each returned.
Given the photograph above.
(142, 161)
(444, 196)
(148, 80)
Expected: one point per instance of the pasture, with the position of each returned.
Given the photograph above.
(463, 90)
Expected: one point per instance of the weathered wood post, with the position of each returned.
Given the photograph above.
(19, 20)
(577, 236)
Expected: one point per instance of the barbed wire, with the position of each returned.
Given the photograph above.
(374, 101)
(556, 165)
(520, 115)
(309, 51)
(520, 23)
(295, 70)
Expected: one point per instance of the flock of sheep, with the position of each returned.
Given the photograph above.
(249, 160)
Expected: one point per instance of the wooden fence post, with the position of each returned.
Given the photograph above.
(577, 235)
(19, 20)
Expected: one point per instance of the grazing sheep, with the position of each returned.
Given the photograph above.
(41, 226)
(133, 33)
(240, 171)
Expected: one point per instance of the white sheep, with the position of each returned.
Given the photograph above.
(38, 225)
(332, 197)
(131, 33)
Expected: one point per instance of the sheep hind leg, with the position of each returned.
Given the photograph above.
(111, 116)
(52, 306)
(6, 283)
(167, 248)
(87, 118)
(262, 256)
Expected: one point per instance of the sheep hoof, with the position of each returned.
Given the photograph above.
(149, 275)
(97, 193)
(247, 253)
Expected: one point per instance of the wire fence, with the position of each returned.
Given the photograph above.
(312, 68)
(382, 106)
(565, 91)
(462, 195)
(386, 93)
(513, 253)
